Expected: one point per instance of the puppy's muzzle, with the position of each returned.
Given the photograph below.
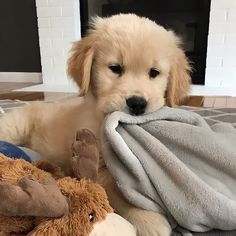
(137, 105)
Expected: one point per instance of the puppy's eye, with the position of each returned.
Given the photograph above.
(116, 69)
(153, 73)
(92, 216)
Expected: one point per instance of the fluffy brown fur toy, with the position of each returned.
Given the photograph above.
(33, 203)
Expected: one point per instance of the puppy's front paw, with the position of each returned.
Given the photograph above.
(148, 223)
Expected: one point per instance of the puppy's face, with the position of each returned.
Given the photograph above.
(130, 64)
(130, 73)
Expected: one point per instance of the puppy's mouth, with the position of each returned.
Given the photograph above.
(136, 105)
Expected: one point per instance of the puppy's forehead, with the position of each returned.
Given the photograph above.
(124, 25)
(132, 37)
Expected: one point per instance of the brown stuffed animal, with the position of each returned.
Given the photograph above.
(33, 203)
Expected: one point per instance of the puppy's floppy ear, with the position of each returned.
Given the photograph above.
(179, 79)
(80, 62)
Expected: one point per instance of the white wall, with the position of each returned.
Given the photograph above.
(59, 26)
(221, 53)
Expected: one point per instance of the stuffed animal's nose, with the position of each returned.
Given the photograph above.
(137, 105)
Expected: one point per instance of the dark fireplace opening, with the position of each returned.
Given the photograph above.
(188, 18)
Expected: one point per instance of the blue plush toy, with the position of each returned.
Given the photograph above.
(13, 151)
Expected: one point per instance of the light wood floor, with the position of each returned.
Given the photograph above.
(5, 86)
(198, 101)
(7, 93)
(217, 102)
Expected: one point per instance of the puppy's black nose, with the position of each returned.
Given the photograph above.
(137, 105)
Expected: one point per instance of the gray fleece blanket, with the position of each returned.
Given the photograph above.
(171, 161)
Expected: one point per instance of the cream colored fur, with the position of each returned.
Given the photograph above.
(137, 44)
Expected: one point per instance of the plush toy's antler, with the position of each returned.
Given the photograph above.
(85, 155)
(31, 198)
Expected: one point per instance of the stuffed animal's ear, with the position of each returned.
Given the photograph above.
(80, 63)
(179, 79)
(49, 167)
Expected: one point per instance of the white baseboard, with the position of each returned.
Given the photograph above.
(66, 88)
(201, 90)
(20, 77)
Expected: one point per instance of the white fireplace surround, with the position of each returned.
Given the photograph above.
(59, 26)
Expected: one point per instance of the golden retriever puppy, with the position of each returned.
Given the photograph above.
(126, 63)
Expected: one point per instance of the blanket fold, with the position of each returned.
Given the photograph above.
(171, 161)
